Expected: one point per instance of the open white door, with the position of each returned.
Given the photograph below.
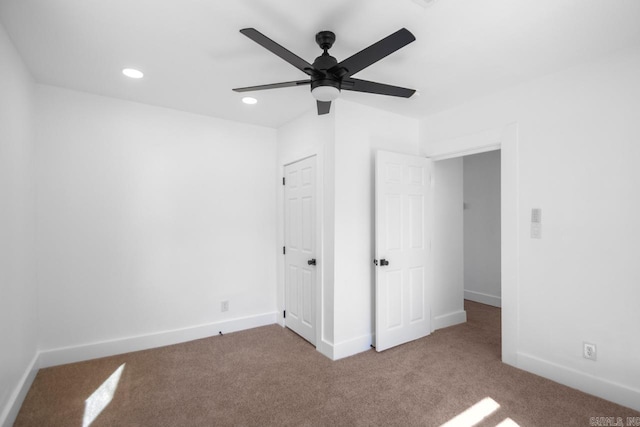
(300, 246)
(403, 231)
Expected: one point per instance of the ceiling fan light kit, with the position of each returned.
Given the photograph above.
(327, 76)
(325, 93)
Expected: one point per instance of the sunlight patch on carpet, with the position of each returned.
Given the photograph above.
(474, 414)
(508, 422)
(100, 398)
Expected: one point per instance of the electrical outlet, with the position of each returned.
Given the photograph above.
(224, 306)
(589, 351)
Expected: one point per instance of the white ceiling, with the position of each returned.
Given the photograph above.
(193, 55)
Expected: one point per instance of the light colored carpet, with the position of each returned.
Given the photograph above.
(270, 376)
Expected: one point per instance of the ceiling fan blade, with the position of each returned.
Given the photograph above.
(275, 48)
(372, 54)
(323, 107)
(273, 86)
(358, 85)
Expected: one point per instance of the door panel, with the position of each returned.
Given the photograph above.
(307, 226)
(416, 296)
(416, 221)
(393, 206)
(394, 297)
(300, 243)
(402, 235)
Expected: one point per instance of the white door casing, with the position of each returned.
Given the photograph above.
(300, 247)
(403, 232)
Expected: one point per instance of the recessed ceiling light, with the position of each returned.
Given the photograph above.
(249, 100)
(133, 73)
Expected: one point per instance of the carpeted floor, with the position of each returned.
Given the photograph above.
(270, 376)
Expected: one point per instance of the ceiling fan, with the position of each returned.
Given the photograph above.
(328, 76)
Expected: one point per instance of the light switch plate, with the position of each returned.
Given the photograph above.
(536, 223)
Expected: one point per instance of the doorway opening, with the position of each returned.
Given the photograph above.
(481, 228)
(504, 138)
(468, 240)
(482, 242)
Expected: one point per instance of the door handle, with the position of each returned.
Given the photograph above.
(384, 262)
(312, 261)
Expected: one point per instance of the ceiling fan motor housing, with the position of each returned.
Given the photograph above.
(325, 62)
(325, 86)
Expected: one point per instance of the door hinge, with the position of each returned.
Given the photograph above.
(284, 250)
(283, 180)
(284, 314)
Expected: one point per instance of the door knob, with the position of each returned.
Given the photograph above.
(384, 262)
(312, 261)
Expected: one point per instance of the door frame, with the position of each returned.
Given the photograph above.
(319, 246)
(505, 139)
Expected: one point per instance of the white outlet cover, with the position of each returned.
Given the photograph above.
(589, 351)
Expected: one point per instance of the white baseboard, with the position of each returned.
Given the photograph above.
(10, 412)
(353, 346)
(483, 298)
(326, 348)
(609, 390)
(345, 348)
(79, 353)
(449, 319)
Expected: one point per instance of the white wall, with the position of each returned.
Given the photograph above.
(18, 293)
(148, 219)
(482, 227)
(578, 133)
(447, 246)
(360, 132)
